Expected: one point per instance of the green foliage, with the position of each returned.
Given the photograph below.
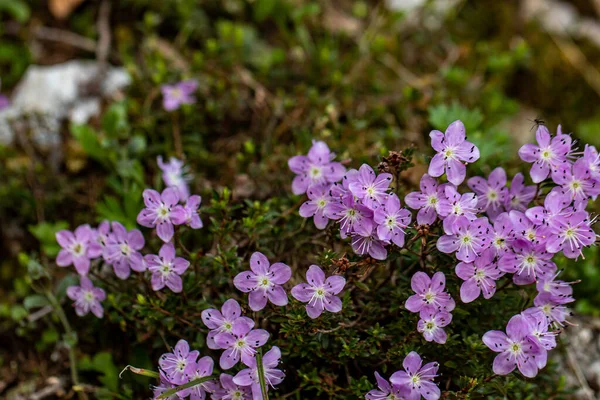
(273, 76)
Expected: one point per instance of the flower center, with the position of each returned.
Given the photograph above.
(125, 249)
(163, 211)
(480, 274)
(515, 348)
(547, 154)
(547, 309)
(531, 235)
(321, 203)
(429, 296)
(467, 239)
(78, 249)
(500, 242)
(492, 195)
(315, 172)
(429, 326)
(449, 153)
(530, 260)
(264, 282)
(227, 326)
(575, 185)
(432, 200)
(166, 269)
(320, 292)
(88, 297)
(390, 222)
(181, 364)
(237, 395)
(240, 343)
(415, 379)
(457, 209)
(570, 233)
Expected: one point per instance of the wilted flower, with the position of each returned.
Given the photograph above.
(241, 342)
(179, 93)
(87, 297)
(122, 250)
(180, 364)
(516, 348)
(418, 377)
(430, 295)
(174, 174)
(272, 375)
(166, 268)
(263, 282)
(452, 147)
(162, 212)
(317, 168)
(78, 248)
(222, 321)
(319, 293)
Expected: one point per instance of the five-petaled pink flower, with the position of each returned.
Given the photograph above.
(162, 212)
(166, 268)
(87, 298)
(78, 248)
(263, 282)
(319, 293)
(179, 93)
(452, 147)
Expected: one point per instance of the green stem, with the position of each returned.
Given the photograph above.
(190, 384)
(261, 375)
(70, 334)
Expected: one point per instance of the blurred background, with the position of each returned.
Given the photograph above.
(81, 121)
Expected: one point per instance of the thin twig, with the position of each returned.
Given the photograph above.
(65, 37)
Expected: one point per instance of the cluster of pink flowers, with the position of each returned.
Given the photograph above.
(410, 383)
(493, 231)
(433, 305)
(121, 248)
(359, 200)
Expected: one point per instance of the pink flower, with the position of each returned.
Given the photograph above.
(122, 250)
(166, 268)
(87, 298)
(452, 148)
(78, 248)
(430, 295)
(263, 282)
(316, 168)
(162, 212)
(180, 93)
(319, 293)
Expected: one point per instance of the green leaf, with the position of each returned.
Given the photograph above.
(45, 232)
(89, 141)
(35, 301)
(18, 9)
